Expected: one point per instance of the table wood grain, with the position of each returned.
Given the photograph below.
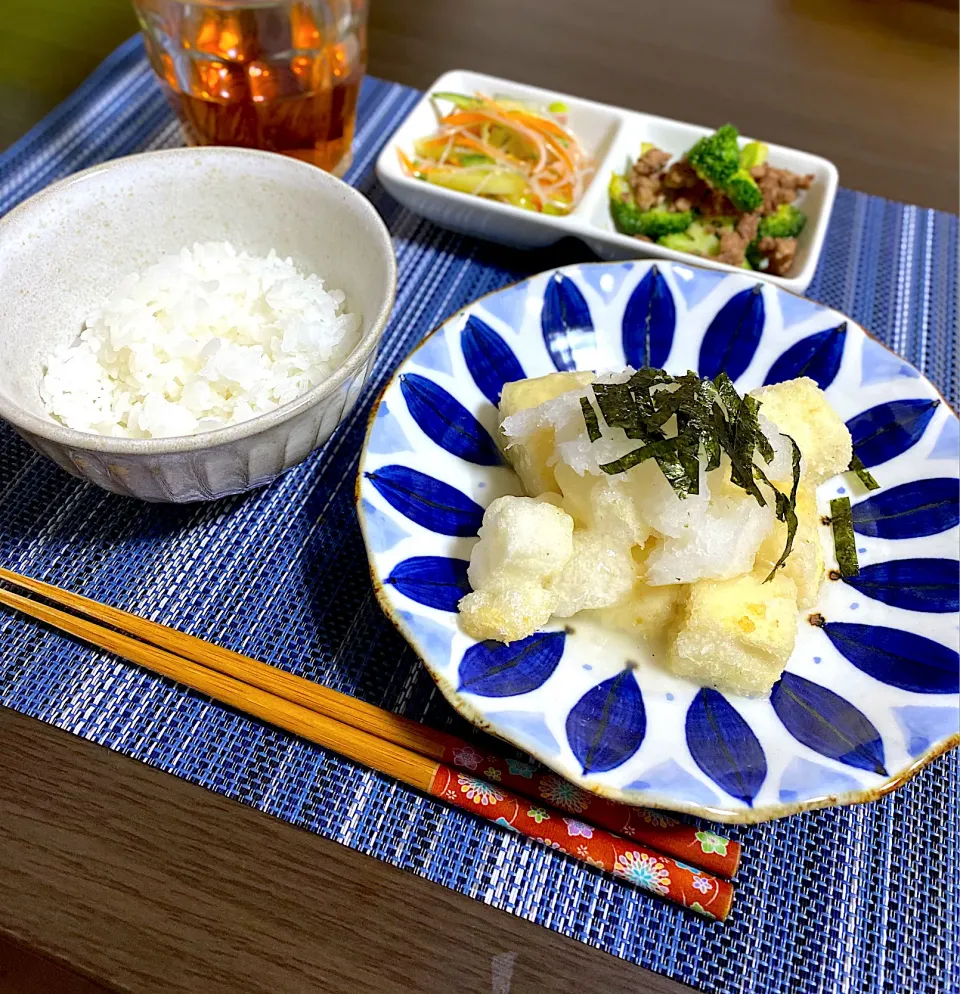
(149, 884)
(870, 84)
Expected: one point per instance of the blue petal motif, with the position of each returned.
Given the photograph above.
(724, 747)
(900, 659)
(509, 303)
(914, 584)
(649, 321)
(567, 326)
(672, 780)
(444, 420)
(529, 729)
(383, 533)
(826, 723)
(434, 353)
(947, 446)
(429, 502)
(879, 365)
(733, 335)
(432, 639)
(386, 434)
(607, 725)
(695, 284)
(794, 309)
(803, 780)
(886, 430)
(495, 669)
(434, 581)
(489, 359)
(817, 356)
(606, 278)
(912, 510)
(923, 725)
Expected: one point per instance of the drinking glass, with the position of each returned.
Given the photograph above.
(280, 75)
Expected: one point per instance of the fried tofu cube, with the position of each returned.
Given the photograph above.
(805, 564)
(529, 456)
(524, 543)
(736, 635)
(799, 408)
(646, 611)
(600, 572)
(521, 535)
(508, 609)
(603, 503)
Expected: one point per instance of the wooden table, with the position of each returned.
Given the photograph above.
(142, 882)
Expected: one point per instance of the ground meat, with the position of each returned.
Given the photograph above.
(733, 244)
(779, 186)
(700, 197)
(680, 176)
(691, 198)
(646, 190)
(651, 162)
(779, 252)
(715, 203)
(645, 177)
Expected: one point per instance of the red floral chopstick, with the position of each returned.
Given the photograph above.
(686, 885)
(715, 853)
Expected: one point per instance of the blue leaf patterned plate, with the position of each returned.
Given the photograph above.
(871, 693)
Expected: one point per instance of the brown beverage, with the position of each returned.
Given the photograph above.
(279, 76)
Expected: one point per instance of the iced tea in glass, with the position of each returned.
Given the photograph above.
(280, 75)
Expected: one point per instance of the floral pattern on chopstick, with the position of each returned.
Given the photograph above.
(686, 885)
(711, 852)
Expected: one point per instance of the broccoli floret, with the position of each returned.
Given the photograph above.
(658, 223)
(753, 154)
(696, 240)
(716, 157)
(753, 256)
(786, 222)
(623, 208)
(743, 191)
(629, 219)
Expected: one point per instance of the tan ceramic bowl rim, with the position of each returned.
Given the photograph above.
(234, 158)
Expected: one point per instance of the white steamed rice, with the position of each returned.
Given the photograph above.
(200, 340)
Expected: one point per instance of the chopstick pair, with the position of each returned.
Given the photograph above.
(646, 847)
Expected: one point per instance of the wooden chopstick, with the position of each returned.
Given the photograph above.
(356, 713)
(656, 830)
(680, 883)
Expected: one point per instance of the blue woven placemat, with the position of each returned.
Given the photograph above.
(855, 900)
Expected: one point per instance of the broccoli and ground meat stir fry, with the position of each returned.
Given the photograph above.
(718, 200)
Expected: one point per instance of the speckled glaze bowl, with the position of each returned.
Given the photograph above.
(66, 248)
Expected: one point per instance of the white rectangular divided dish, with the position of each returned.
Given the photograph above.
(612, 136)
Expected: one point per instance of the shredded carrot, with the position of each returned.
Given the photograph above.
(526, 142)
(408, 167)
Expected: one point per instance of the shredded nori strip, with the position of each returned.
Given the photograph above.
(711, 415)
(664, 450)
(844, 540)
(786, 507)
(864, 474)
(619, 409)
(590, 419)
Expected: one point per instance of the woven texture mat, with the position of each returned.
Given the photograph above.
(857, 900)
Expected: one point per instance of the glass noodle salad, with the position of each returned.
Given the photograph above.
(503, 149)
